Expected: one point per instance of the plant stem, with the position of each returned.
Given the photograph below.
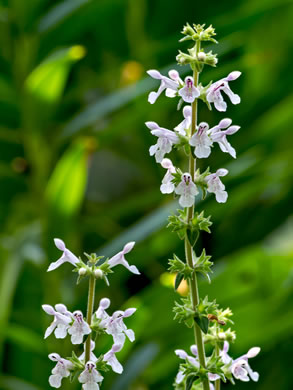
(90, 307)
(217, 348)
(193, 285)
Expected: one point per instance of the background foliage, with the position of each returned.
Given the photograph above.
(74, 164)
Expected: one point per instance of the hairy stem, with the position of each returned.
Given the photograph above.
(193, 285)
(90, 308)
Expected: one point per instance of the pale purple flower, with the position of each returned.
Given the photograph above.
(79, 328)
(219, 136)
(111, 359)
(189, 92)
(93, 358)
(202, 141)
(187, 191)
(60, 371)
(216, 186)
(241, 369)
(214, 93)
(166, 139)
(101, 313)
(171, 84)
(62, 319)
(185, 124)
(226, 359)
(116, 327)
(167, 187)
(90, 377)
(119, 258)
(67, 256)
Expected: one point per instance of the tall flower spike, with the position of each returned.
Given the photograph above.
(111, 359)
(171, 84)
(201, 141)
(189, 92)
(167, 187)
(187, 191)
(67, 256)
(79, 328)
(90, 377)
(166, 139)
(216, 186)
(214, 92)
(219, 136)
(62, 319)
(60, 371)
(186, 123)
(119, 258)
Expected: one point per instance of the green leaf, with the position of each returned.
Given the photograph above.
(192, 236)
(178, 280)
(203, 323)
(189, 381)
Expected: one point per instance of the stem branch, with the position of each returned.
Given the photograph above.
(90, 307)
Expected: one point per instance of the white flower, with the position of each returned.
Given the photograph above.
(189, 92)
(101, 313)
(90, 377)
(93, 358)
(67, 256)
(187, 189)
(185, 124)
(167, 187)
(62, 319)
(214, 92)
(216, 186)
(241, 369)
(79, 328)
(120, 259)
(116, 327)
(171, 84)
(226, 359)
(201, 141)
(61, 370)
(111, 359)
(166, 139)
(220, 136)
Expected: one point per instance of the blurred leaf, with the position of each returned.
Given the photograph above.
(60, 12)
(47, 80)
(12, 383)
(67, 183)
(135, 365)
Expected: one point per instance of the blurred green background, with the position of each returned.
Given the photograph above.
(74, 164)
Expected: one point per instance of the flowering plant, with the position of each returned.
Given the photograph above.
(209, 322)
(87, 367)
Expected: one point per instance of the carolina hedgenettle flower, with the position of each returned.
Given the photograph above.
(201, 141)
(62, 319)
(186, 123)
(120, 259)
(90, 377)
(216, 186)
(79, 328)
(60, 371)
(67, 256)
(111, 359)
(214, 93)
(166, 139)
(189, 92)
(167, 187)
(171, 84)
(187, 190)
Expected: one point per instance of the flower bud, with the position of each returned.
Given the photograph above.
(82, 272)
(98, 273)
(201, 56)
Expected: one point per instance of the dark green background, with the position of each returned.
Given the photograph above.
(74, 164)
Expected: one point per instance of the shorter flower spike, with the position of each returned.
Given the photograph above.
(187, 191)
(67, 256)
(60, 371)
(90, 377)
(216, 186)
(214, 92)
(119, 258)
(111, 359)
